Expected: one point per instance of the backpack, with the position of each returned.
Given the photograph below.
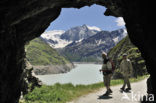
(113, 66)
(112, 63)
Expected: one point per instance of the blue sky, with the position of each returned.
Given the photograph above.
(92, 16)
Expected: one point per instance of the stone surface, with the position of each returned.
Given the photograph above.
(23, 20)
(30, 81)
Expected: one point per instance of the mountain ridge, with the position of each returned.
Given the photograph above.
(63, 38)
(90, 49)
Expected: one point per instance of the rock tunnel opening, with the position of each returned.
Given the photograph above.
(20, 24)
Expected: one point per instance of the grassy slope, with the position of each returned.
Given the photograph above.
(77, 57)
(40, 53)
(61, 93)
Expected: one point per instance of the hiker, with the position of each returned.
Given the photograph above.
(126, 70)
(107, 69)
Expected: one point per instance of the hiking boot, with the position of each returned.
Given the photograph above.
(107, 93)
(127, 89)
(110, 91)
(122, 89)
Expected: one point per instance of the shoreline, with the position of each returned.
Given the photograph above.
(58, 69)
(52, 69)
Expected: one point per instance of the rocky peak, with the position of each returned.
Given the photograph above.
(78, 33)
(84, 26)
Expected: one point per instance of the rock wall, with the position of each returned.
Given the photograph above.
(30, 81)
(23, 20)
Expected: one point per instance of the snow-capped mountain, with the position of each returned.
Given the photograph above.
(90, 49)
(83, 43)
(53, 38)
(52, 34)
(118, 35)
(80, 32)
(60, 38)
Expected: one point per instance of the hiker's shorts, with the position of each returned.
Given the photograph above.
(107, 79)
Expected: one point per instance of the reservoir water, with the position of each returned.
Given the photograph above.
(81, 74)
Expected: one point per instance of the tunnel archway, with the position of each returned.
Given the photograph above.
(21, 22)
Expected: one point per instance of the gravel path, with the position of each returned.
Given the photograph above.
(138, 89)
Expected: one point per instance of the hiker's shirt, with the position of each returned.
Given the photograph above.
(126, 67)
(107, 68)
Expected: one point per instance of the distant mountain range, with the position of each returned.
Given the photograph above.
(83, 43)
(90, 49)
(60, 38)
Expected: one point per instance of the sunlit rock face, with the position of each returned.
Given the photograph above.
(23, 20)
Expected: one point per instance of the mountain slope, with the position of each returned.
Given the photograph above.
(125, 46)
(45, 59)
(53, 38)
(90, 49)
(40, 53)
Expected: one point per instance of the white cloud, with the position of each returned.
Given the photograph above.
(120, 21)
(93, 28)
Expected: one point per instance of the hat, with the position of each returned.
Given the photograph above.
(124, 54)
(104, 53)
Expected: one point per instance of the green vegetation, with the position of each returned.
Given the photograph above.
(125, 46)
(79, 56)
(39, 52)
(61, 93)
